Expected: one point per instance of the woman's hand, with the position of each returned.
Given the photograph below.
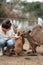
(10, 37)
(16, 37)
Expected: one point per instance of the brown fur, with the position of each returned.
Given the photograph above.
(18, 46)
(35, 37)
(37, 34)
(33, 42)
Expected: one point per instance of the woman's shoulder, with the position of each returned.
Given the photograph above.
(0, 27)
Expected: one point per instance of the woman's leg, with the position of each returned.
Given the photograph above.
(10, 46)
(11, 42)
(2, 44)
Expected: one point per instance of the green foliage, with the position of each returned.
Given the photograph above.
(1, 2)
(39, 12)
(1, 8)
(33, 7)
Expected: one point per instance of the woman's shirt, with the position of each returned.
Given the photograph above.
(5, 36)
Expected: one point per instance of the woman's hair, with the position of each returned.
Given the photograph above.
(6, 24)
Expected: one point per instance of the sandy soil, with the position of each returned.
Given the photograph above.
(24, 60)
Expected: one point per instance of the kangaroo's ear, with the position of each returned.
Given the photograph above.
(21, 34)
(29, 31)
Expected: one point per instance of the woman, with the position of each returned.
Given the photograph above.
(7, 35)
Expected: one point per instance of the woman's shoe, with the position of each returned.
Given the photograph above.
(1, 52)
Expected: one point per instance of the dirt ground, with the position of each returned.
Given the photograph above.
(23, 60)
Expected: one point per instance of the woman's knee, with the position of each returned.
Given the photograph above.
(2, 42)
(11, 42)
